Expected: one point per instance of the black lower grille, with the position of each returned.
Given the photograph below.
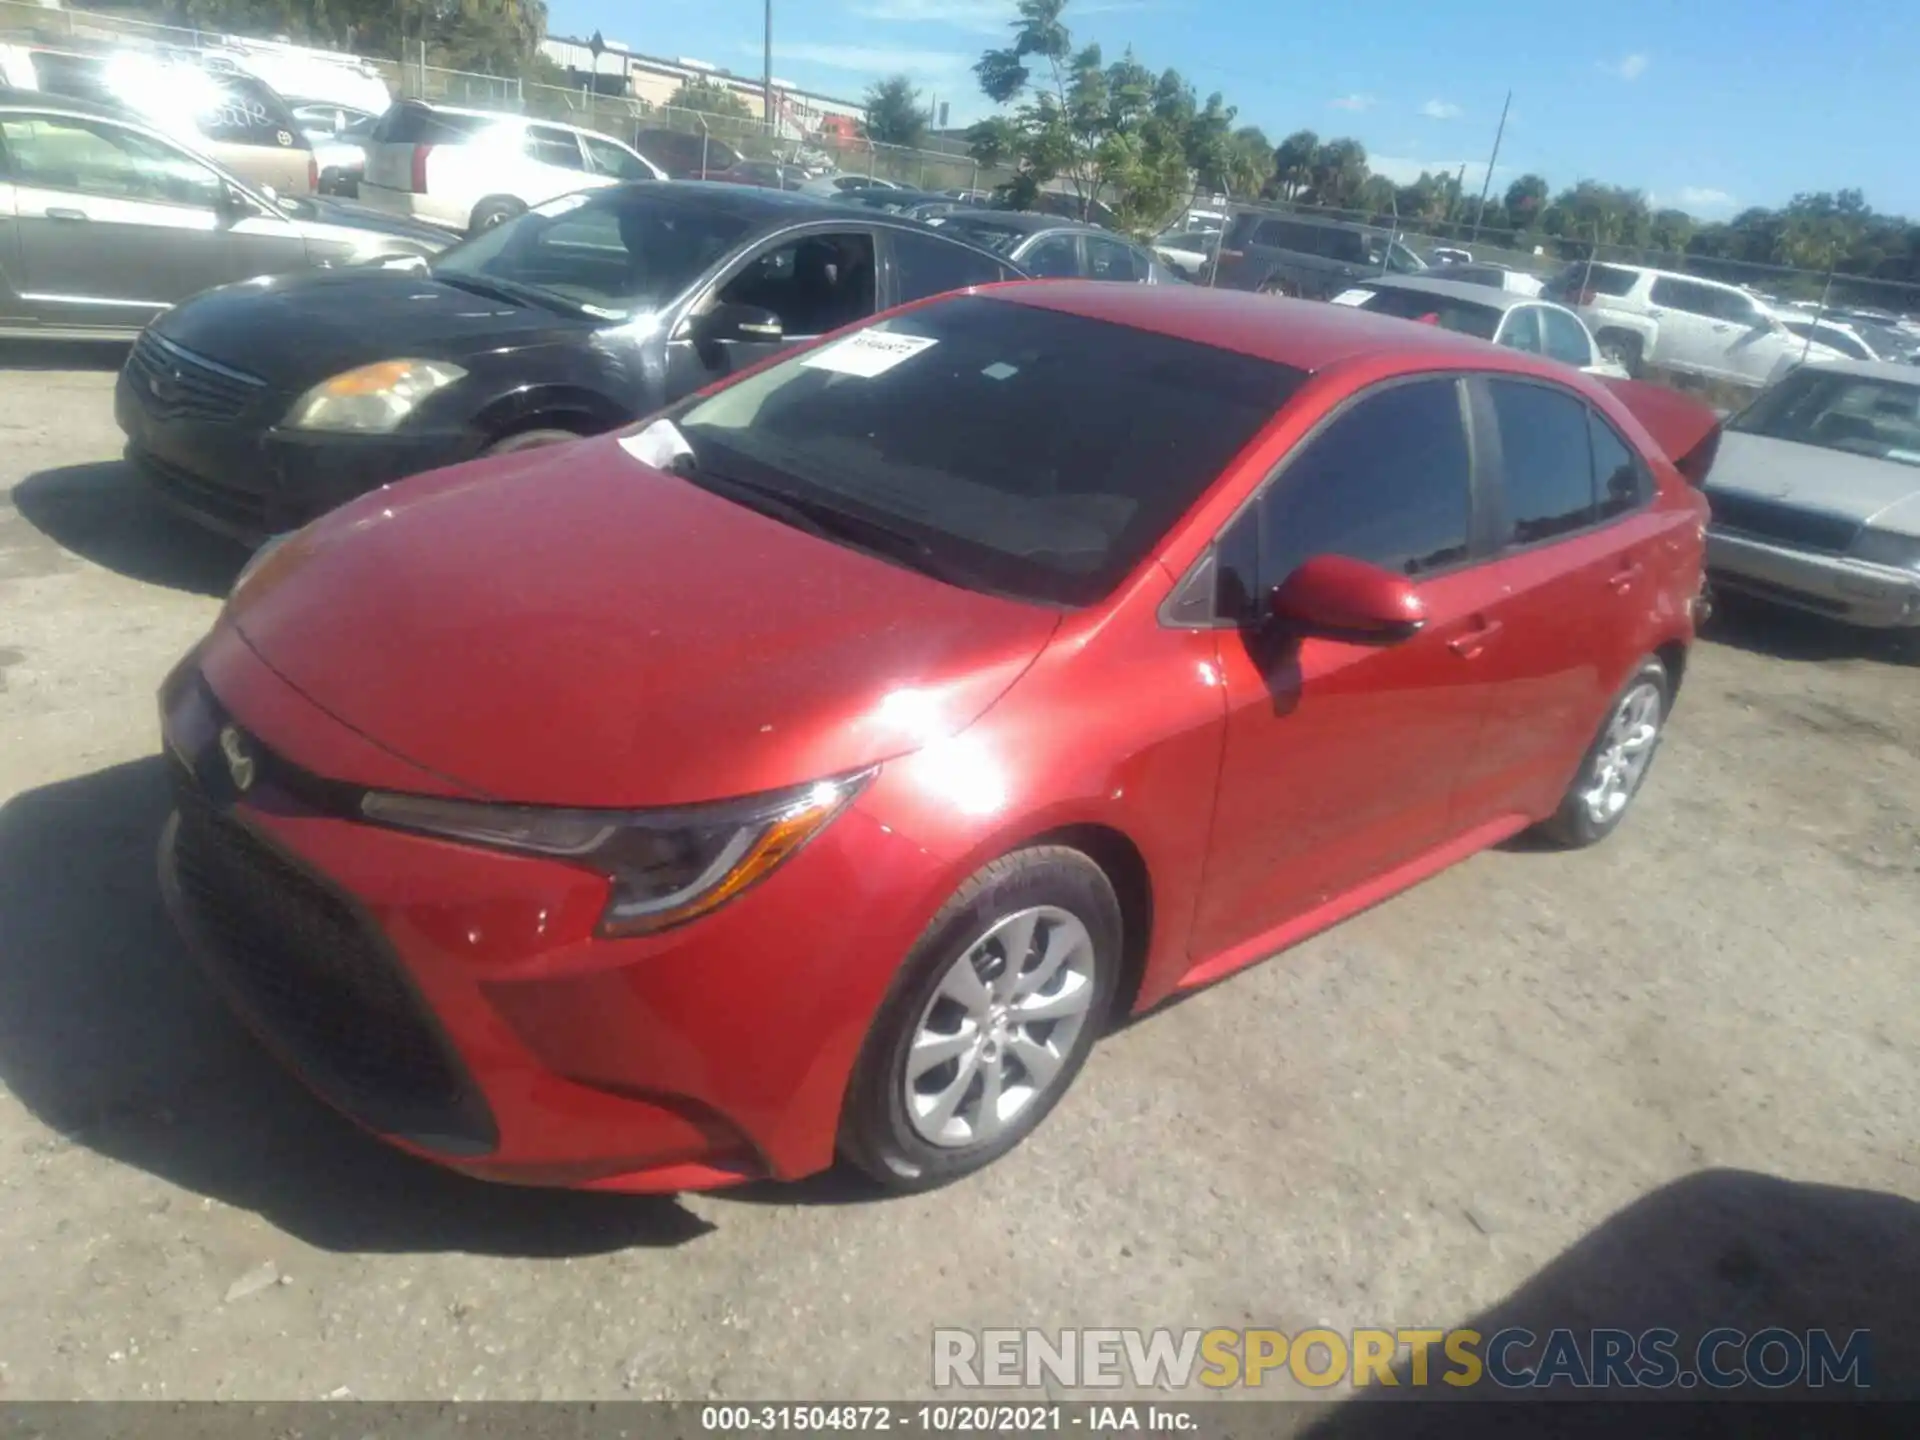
(308, 971)
(239, 509)
(1789, 524)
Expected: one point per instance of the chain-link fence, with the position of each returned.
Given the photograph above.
(736, 134)
(1544, 255)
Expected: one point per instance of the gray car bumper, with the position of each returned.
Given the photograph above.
(1851, 590)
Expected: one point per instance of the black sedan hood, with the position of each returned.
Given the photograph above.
(295, 330)
(326, 210)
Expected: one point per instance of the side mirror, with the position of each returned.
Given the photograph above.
(236, 204)
(1350, 600)
(748, 324)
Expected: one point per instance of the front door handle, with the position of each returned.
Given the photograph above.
(61, 213)
(1474, 641)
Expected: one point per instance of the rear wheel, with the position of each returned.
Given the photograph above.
(496, 211)
(1276, 285)
(988, 1021)
(1624, 349)
(1617, 762)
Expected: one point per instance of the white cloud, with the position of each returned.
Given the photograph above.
(870, 59)
(978, 17)
(1440, 110)
(1702, 197)
(1627, 67)
(1354, 102)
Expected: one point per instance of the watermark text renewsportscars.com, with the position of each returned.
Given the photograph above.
(1510, 1359)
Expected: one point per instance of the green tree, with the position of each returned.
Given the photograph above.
(1337, 173)
(1293, 163)
(894, 115)
(710, 97)
(1526, 200)
(1112, 134)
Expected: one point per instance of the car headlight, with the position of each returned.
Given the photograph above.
(667, 866)
(1884, 547)
(373, 399)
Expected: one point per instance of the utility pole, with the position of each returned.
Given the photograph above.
(766, 74)
(1486, 184)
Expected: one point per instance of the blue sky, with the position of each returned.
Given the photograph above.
(1709, 105)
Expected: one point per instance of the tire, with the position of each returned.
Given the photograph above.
(497, 211)
(1048, 894)
(528, 440)
(1625, 348)
(1587, 814)
(1274, 285)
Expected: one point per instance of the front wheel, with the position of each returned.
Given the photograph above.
(988, 1021)
(1617, 762)
(490, 213)
(1274, 285)
(529, 440)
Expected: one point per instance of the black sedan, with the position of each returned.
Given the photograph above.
(256, 407)
(1046, 246)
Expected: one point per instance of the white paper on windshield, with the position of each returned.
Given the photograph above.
(868, 354)
(560, 206)
(1352, 297)
(659, 445)
(1910, 456)
(1000, 370)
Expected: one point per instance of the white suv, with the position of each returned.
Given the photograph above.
(471, 169)
(1664, 320)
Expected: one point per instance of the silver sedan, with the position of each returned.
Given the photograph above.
(1816, 494)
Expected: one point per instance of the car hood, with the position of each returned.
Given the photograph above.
(295, 330)
(318, 212)
(1858, 487)
(568, 626)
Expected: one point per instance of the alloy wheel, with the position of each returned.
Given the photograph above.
(999, 1028)
(1625, 752)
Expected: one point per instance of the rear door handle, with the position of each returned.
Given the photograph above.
(61, 213)
(1622, 579)
(1474, 641)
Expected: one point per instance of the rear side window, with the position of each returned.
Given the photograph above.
(1546, 458)
(417, 125)
(923, 266)
(1388, 482)
(1624, 483)
(558, 148)
(1687, 295)
(1110, 260)
(1610, 280)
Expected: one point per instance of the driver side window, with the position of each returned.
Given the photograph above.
(1055, 258)
(814, 284)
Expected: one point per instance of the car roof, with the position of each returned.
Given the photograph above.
(750, 202)
(1465, 290)
(1031, 222)
(68, 105)
(1303, 334)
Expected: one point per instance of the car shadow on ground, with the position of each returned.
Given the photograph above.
(109, 1036)
(1785, 634)
(1720, 1248)
(101, 512)
(107, 355)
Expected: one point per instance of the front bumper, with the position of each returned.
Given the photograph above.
(248, 480)
(1874, 596)
(456, 1001)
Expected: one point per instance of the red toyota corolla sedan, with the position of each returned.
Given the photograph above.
(815, 770)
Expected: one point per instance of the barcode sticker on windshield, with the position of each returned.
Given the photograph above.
(868, 354)
(1352, 297)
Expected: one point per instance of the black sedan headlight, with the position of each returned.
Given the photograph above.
(667, 866)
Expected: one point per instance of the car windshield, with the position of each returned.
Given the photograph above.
(1396, 257)
(1860, 414)
(997, 236)
(613, 254)
(1017, 449)
(1479, 321)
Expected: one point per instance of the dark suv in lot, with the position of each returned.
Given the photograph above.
(1305, 256)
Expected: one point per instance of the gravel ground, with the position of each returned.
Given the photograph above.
(1669, 1081)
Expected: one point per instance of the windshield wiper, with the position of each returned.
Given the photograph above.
(508, 290)
(829, 522)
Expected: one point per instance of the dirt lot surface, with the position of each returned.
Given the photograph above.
(1675, 1080)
